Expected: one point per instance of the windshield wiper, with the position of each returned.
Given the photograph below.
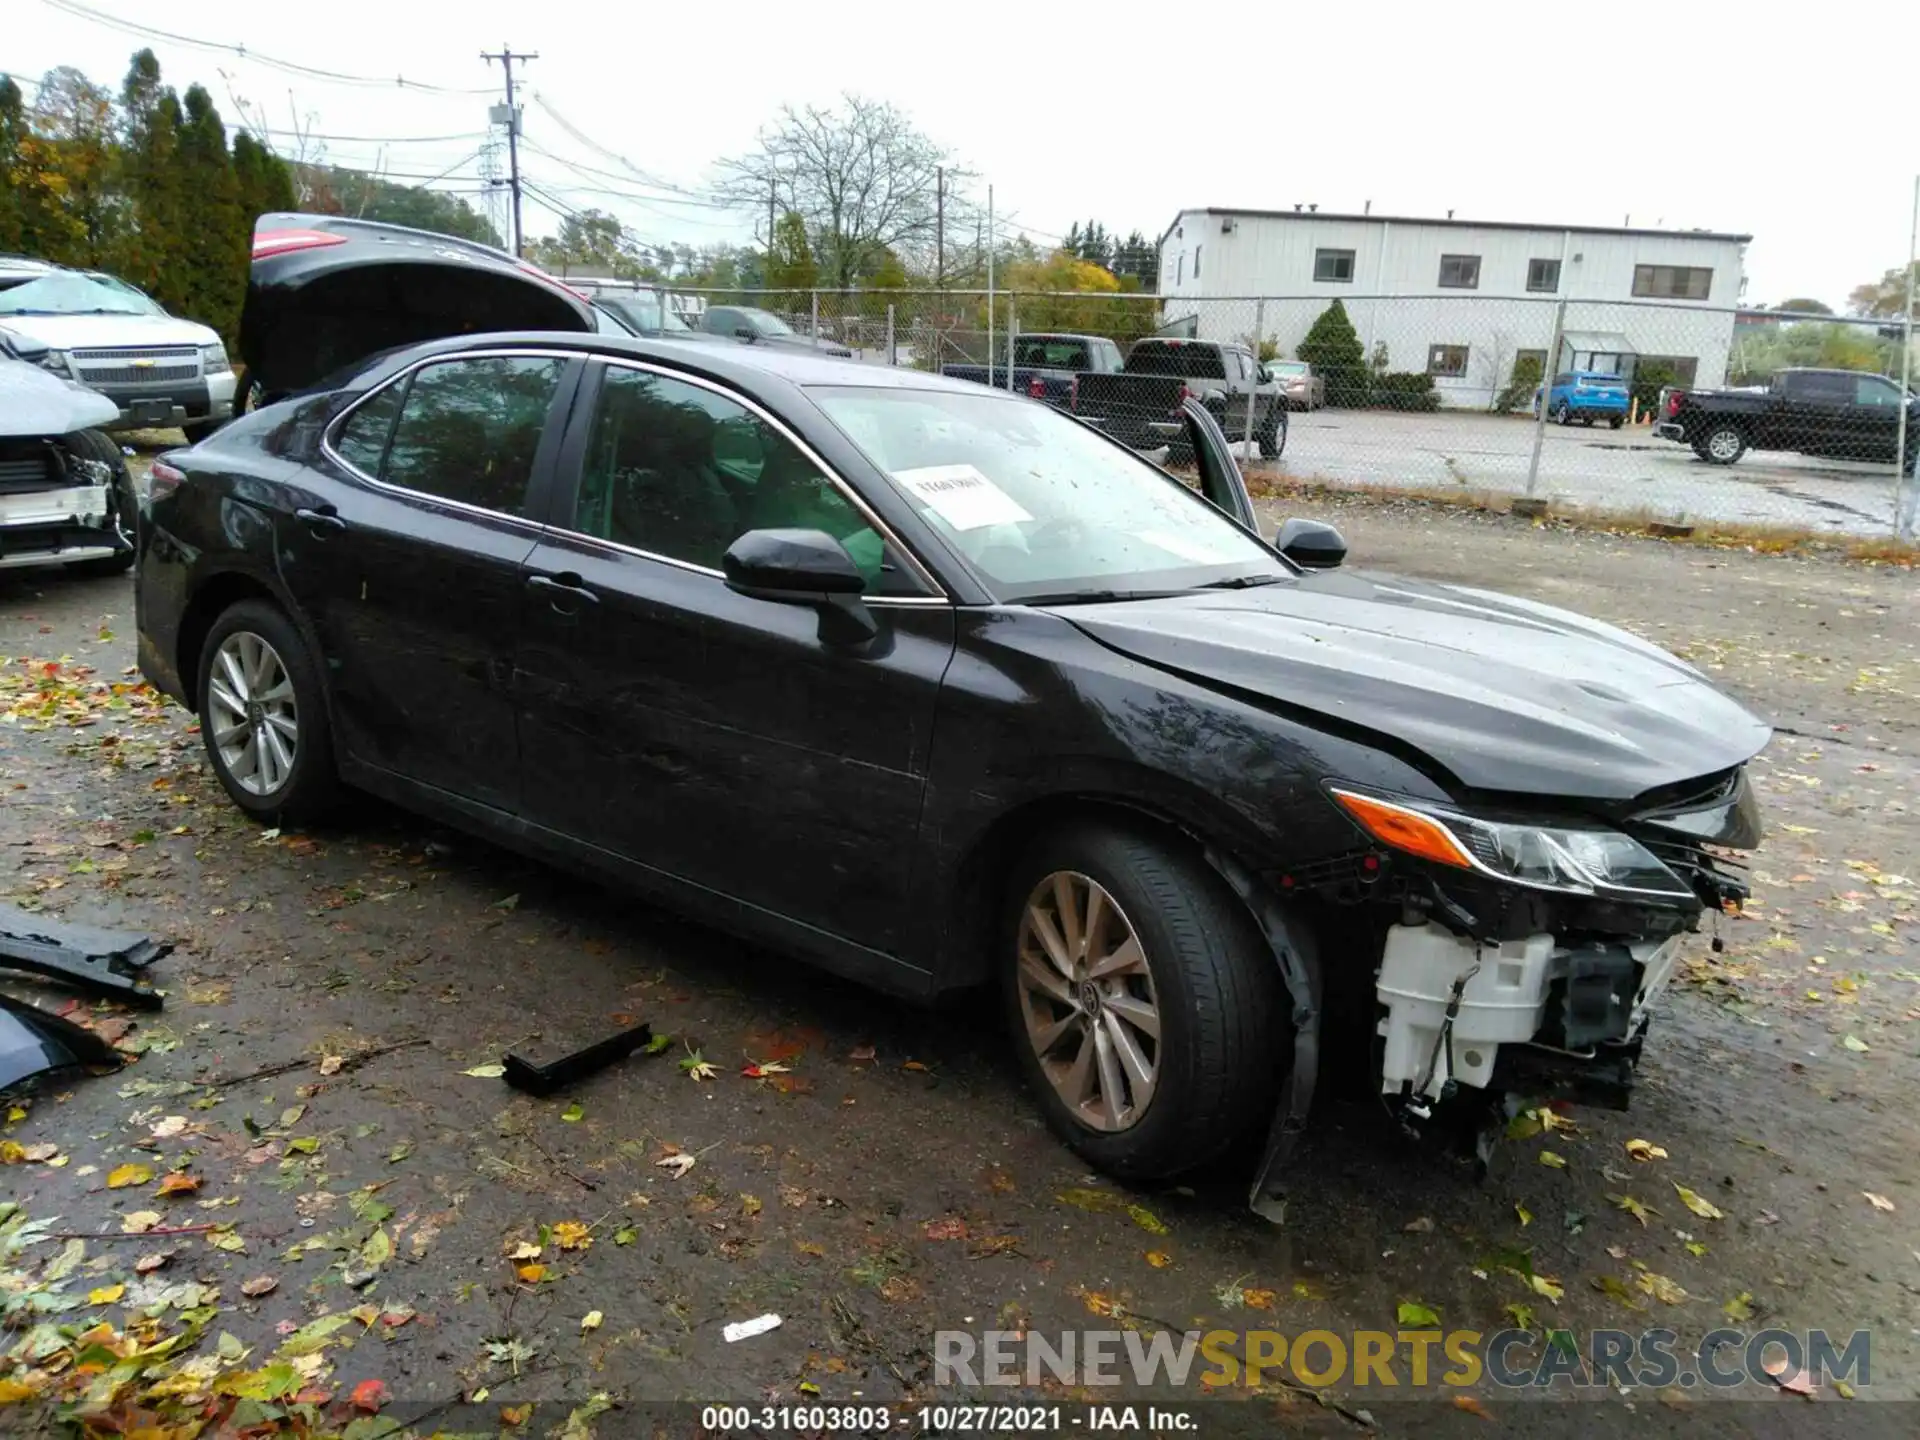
(1242, 582)
(1092, 597)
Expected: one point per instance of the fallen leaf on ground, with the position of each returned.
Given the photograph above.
(1521, 1315)
(1617, 1288)
(524, 1250)
(913, 1065)
(131, 1173)
(574, 1113)
(179, 1182)
(1646, 1150)
(625, 1235)
(139, 1222)
(948, 1229)
(697, 1066)
(1412, 1312)
(1553, 1161)
(1147, 1220)
(1471, 1405)
(368, 1396)
(486, 1072)
(1522, 1214)
(1856, 1044)
(1159, 1259)
(1701, 1206)
(759, 1069)
(147, 1264)
(1879, 1202)
(676, 1165)
(1637, 1208)
(1422, 1226)
(1258, 1299)
(532, 1274)
(1662, 1289)
(106, 1294)
(591, 1321)
(572, 1235)
(1545, 1287)
(1738, 1308)
(259, 1285)
(330, 1064)
(167, 1128)
(861, 1054)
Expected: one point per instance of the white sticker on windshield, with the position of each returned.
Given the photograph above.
(962, 496)
(1198, 551)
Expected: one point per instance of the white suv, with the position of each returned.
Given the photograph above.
(90, 327)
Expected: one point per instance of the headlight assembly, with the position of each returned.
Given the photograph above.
(213, 359)
(1544, 857)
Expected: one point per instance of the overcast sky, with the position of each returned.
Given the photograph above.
(1739, 117)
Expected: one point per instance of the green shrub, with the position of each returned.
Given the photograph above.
(1404, 390)
(1334, 350)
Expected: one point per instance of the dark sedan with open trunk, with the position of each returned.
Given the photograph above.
(936, 686)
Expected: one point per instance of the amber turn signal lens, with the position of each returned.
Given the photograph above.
(1404, 829)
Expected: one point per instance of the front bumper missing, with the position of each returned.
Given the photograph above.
(1452, 1006)
(56, 527)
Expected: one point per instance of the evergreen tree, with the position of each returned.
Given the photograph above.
(1334, 350)
(149, 248)
(217, 246)
(791, 266)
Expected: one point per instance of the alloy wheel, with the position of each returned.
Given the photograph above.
(1723, 444)
(254, 718)
(1087, 1000)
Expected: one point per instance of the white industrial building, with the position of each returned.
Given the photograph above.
(1461, 300)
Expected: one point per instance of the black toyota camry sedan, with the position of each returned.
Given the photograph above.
(938, 687)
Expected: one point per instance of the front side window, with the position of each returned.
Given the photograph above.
(1460, 272)
(1448, 361)
(1872, 390)
(681, 471)
(1039, 504)
(468, 429)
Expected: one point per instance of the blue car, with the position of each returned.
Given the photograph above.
(1586, 396)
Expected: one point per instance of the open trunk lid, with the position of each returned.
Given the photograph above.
(326, 291)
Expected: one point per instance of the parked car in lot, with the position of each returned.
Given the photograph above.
(939, 687)
(642, 309)
(1586, 396)
(1046, 366)
(1835, 414)
(763, 327)
(1140, 406)
(111, 337)
(65, 494)
(1303, 389)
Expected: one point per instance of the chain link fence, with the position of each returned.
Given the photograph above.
(1678, 413)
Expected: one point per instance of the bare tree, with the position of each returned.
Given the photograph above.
(860, 175)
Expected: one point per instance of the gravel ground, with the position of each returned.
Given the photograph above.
(331, 992)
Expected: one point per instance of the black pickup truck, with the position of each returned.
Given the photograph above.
(1046, 365)
(1835, 414)
(1140, 406)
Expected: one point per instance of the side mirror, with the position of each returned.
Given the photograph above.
(1266, 376)
(1310, 544)
(803, 567)
(742, 332)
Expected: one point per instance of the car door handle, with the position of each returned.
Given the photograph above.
(320, 522)
(561, 588)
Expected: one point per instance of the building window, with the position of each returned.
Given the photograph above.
(1672, 282)
(1523, 359)
(1460, 272)
(1683, 368)
(1333, 266)
(1447, 361)
(1196, 260)
(1543, 276)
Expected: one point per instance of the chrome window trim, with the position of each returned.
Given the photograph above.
(880, 527)
(340, 420)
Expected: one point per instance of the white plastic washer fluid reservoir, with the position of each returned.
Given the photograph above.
(1501, 1003)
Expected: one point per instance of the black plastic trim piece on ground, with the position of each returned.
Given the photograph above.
(107, 963)
(534, 1079)
(33, 1041)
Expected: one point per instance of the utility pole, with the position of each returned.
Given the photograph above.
(506, 57)
(773, 198)
(940, 228)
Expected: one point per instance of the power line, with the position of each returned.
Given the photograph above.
(130, 27)
(587, 140)
(684, 198)
(368, 139)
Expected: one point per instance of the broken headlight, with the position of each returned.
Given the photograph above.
(1545, 857)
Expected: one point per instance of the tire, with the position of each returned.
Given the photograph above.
(295, 787)
(1562, 414)
(1722, 445)
(1616, 422)
(1204, 973)
(1273, 436)
(95, 445)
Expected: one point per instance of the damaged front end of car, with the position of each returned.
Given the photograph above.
(1518, 952)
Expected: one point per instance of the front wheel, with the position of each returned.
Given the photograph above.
(1144, 1003)
(1563, 414)
(1273, 437)
(1617, 421)
(263, 715)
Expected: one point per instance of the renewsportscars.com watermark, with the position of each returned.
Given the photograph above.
(1509, 1359)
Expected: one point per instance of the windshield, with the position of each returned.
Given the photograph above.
(71, 294)
(1042, 506)
(766, 323)
(645, 313)
(1287, 367)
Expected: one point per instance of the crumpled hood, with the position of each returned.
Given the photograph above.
(35, 405)
(1503, 693)
(104, 332)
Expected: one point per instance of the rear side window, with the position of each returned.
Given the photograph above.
(1189, 362)
(468, 430)
(1052, 354)
(362, 441)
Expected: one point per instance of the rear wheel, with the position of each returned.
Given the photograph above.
(1143, 1001)
(263, 715)
(1273, 435)
(1563, 414)
(1723, 445)
(1617, 421)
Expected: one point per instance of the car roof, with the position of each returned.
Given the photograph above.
(742, 363)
